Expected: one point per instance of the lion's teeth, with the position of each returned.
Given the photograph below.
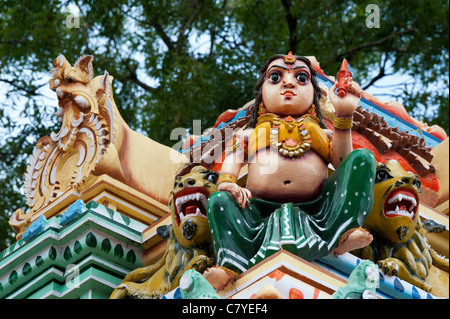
(400, 197)
(181, 200)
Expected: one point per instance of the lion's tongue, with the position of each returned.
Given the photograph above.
(190, 210)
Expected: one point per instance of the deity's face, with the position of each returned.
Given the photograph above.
(287, 89)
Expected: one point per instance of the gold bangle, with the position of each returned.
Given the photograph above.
(342, 123)
(225, 177)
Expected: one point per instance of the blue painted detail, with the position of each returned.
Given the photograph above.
(37, 227)
(415, 293)
(381, 277)
(177, 294)
(429, 296)
(72, 212)
(398, 285)
(238, 115)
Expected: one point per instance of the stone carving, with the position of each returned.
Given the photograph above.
(93, 140)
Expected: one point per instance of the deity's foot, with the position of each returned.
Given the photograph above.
(352, 239)
(220, 277)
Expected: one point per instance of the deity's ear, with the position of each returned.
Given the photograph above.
(84, 64)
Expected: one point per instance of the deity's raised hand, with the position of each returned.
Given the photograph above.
(346, 106)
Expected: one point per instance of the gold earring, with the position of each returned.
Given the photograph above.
(262, 109)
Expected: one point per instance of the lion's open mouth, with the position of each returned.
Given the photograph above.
(190, 201)
(401, 202)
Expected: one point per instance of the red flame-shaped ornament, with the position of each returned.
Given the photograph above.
(343, 78)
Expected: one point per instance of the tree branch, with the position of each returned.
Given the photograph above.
(24, 89)
(166, 39)
(133, 76)
(187, 23)
(292, 25)
(375, 43)
(382, 72)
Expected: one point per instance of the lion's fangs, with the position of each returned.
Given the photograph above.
(400, 197)
(183, 199)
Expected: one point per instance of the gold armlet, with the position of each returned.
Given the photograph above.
(225, 177)
(234, 145)
(342, 123)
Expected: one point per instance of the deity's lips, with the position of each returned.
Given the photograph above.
(401, 202)
(288, 93)
(190, 201)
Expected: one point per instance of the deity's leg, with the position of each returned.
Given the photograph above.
(346, 201)
(236, 232)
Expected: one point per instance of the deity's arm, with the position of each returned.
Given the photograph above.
(234, 160)
(340, 146)
(235, 153)
(232, 164)
(341, 141)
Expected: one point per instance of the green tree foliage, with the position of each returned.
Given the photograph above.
(179, 60)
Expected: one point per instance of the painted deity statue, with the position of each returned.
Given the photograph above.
(289, 201)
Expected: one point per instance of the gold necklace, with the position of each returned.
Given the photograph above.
(288, 135)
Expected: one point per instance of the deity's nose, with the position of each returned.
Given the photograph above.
(288, 83)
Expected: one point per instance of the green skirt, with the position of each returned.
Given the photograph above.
(242, 237)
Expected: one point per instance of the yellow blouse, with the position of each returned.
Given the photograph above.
(292, 137)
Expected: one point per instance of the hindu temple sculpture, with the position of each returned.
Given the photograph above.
(194, 286)
(398, 246)
(362, 282)
(188, 239)
(289, 201)
(93, 140)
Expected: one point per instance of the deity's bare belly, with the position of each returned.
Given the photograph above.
(282, 179)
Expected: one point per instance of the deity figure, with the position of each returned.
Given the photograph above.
(289, 201)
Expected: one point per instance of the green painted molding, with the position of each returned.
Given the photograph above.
(91, 245)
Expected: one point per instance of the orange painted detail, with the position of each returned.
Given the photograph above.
(316, 293)
(277, 275)
(295, 294)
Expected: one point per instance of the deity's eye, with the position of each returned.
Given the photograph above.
(212, 177)
(275, 77)
(302, 77)
(382, 175)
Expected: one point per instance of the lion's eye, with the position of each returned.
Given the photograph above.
(417, 183)
(177, 180)
(212, 177)
(382, 175)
